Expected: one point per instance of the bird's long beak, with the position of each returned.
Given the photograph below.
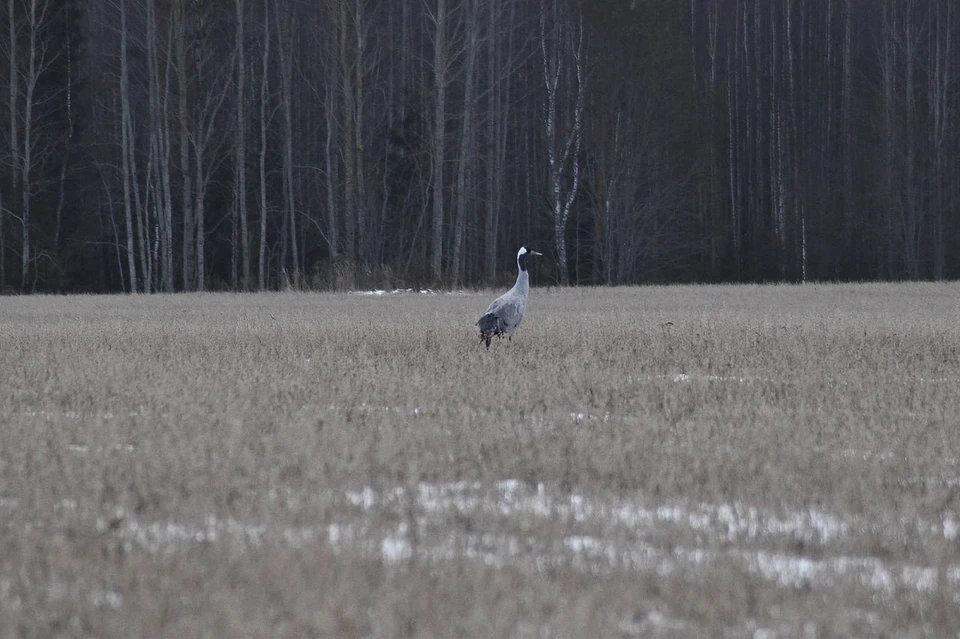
(535, 253)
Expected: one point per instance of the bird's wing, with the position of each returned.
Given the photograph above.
(507, 309)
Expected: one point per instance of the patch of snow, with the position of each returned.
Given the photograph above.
(397, 291)
(106, 599)
(686, 377)
(950, 528)
(366, 498)
(396, 547)
(864, 455)
(656, 620)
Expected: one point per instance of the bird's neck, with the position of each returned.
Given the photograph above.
(523, 281)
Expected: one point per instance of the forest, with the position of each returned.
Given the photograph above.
(189, 145)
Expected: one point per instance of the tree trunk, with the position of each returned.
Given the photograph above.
(363, 230)
(159, 151)
(286, 80)
(242, 148)
(467, 137)
(264, 124)
(330, 106)
(940, 92)
(139, 210)
(494, 169)
(164, 167)
(189, 254)
(567, 150)
(849, 153)
(440, 62)
(348, 147)
(199, 216)
(13, 106)
(125, 149)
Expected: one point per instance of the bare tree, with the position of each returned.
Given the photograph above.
(941, 79)
(468, 136)
(348, 128)
(126, 145)
(330, 128)
(159, 100)
(14, 97)
(241, 149)
(264, 126)
(563, 135)
(41, 54)
(441, 72)
(207, 143)
(360, 29)
(285, 38)
(186, 187)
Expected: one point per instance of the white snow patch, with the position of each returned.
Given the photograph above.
(596, 535)
(106, 599)
(396, 547)
(686, 378)
(396, 291)
(366, 498)
(512, 499)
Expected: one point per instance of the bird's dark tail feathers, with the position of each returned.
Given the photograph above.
(489, 327)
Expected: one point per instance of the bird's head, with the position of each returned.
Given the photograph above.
(522, 256)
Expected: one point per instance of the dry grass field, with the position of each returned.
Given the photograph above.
(675, 461)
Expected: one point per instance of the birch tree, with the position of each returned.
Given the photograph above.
(562, 44)
(41, 54)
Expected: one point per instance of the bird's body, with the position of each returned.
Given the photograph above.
(505, 313)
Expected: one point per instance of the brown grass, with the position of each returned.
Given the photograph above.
(640, 461)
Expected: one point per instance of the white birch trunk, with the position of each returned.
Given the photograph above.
(566, 151)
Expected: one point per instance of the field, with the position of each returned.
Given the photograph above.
(656, 461)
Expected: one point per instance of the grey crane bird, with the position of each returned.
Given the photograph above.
(504, 315)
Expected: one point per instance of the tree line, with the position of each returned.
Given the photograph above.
(183, 145)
